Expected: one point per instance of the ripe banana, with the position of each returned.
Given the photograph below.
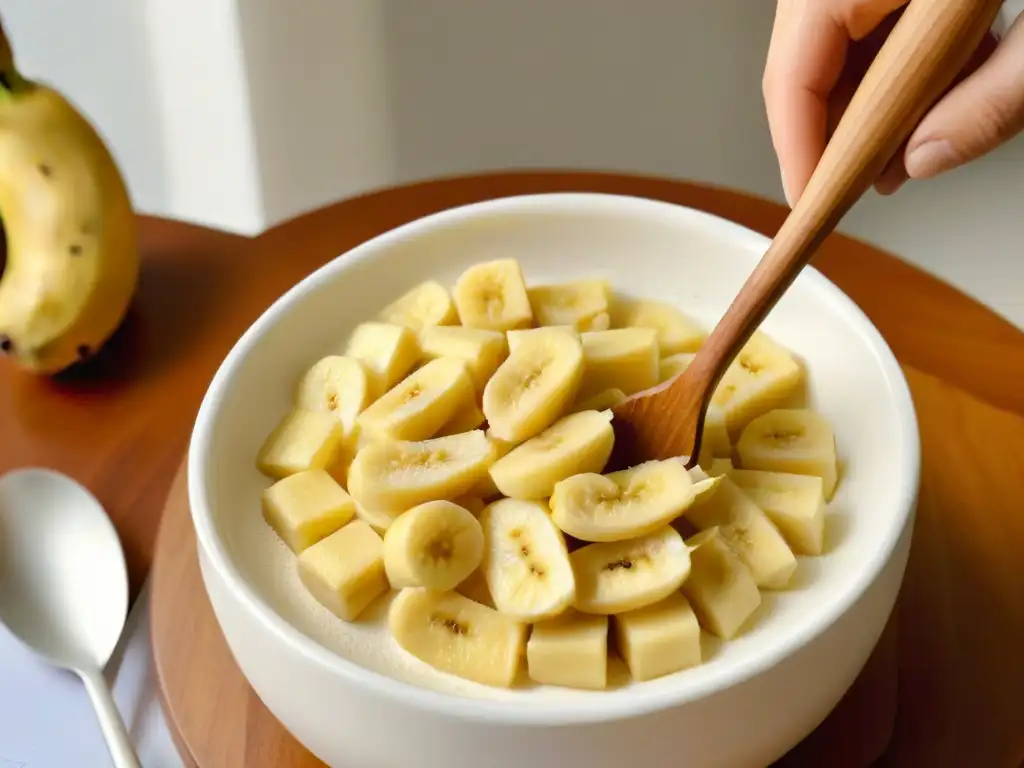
(306, 507)
(570, 651)
(676, 332)
(602, 401)
(466, 419)
(456, 635)
(622, 505)
(388, 352)
(579, 442)
(517, 335)
(795, 440)
(534, 386)
(302, 440)
(673, 365)
(394, 475)
(625, 359)
(720, 587)
(526, 563)
(660, 639)
(338, 385)
(482, 350)
(72, 254)
(345, 571)
(475, 588)
(435, 545)
(492, 295)
(620, 576)
(424, 305)
(582, 304)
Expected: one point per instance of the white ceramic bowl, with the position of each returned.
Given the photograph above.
(753, 698)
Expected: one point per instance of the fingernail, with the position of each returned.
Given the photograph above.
(930, 159)
(785, 189)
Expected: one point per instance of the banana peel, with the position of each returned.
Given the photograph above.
(72, 246)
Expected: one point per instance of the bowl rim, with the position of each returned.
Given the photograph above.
(542, 711)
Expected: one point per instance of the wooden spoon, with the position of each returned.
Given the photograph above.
(929, 45)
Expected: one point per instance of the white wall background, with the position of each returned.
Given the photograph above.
(242, 113)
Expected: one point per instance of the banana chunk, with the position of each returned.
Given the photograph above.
(620, 576)
(795, 503)
(720, 587)
(306, 507)
(570, 651)
(761, 378)
(482, 350)
(604, 400)
(378, 519)
(393, 475)
(622, 505)
(673, 365)
(703, 489)
(749, 531)
(582, 304)
(526, 563)
(580, 442)
(472, 503)
(388, 351)
(345, 571)
(466, 419)
(456, 635)
(516, 336)
(492, 295)
(423, 305)
(302, 440)
(475, 588)
(435, 545)
(677, 333)
(660, 639)
(795, 440)
(419, 405)
(338, 385)
(624, 358)
(533, 387)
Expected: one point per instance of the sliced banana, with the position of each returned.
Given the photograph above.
(492, 295)
(486, 489)
(660, 639)
(466, 419)
(456, 635)
(483, 350)
(302, 440)
(338, 385)
(388, 351)
(306, 507)
(796, 440)
(582, 304)
(602, 401)
(394, 475)
(720, 587)
(795, 503)
(622, 505)
(748, 530)
(516, 336)
(579, 442)
(677, 333)
(419, 405)
(761, 377)
(570, 650)
(345, 571)
(625, 359)
(378, 519)
(615, 577)
(471, 502)
(533, 387)
(475, 588)
(424, 305)
(526, 563)
(673, 365)
(436, 545)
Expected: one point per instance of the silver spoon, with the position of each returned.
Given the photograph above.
(64, 585)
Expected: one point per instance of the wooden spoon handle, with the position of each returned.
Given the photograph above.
(929, 45)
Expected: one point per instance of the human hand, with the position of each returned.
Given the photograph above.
(820, 49)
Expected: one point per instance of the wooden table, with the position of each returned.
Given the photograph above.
(121, 425)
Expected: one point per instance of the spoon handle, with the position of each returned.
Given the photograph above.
(929, 45)
(114, 732)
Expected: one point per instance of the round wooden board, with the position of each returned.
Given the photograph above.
(943, 687)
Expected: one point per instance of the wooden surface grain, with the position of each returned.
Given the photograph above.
(960, 620)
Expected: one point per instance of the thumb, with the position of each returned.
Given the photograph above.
(983, 111)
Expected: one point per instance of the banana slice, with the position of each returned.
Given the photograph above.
(625, 359)
(486, 489)
(525, 563)
(676, 332)
(516, 336)
(660, 639)
(580, 442)
(378, 519)
(475, 588)
(795, 503)
(471, 502)
(492, 295)
(302, 440)
(393, 475)
(602, 401)
(748, 530)
(388, 351)
(582, 304)
(715, 438)
(456, 635)
(345, 571)
(466, 419)
(435, 545)
(419, 405)
(570, 651)
(795, 440)
(761, 378)
(720, 587)
(306, 507)
(620, 576)
(482, 350)
(622, 505)
(338, 385)
(673, 365)
(534, 386)
(424, 305)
